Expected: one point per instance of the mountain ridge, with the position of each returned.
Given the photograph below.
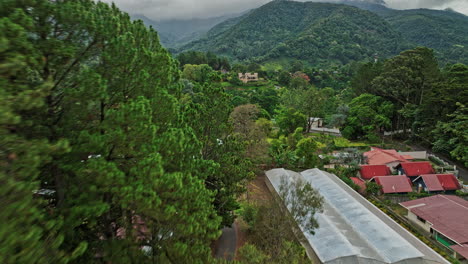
(410, 25)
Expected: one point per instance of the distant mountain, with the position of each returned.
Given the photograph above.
(445, 31)
(333, 33)
(174, 33)
(318, 33)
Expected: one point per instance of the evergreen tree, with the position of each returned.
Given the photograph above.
(98, 112)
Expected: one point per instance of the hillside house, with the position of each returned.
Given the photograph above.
(434, 183)
(248, 77)
(445, 217)
(315, 124)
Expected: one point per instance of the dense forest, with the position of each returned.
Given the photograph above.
(120, 157)
(323, 34)
(115, 151)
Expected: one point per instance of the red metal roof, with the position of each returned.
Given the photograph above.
(360, 183)
(370, 171)
(413, 169)
(441, 182)
(449, 182)
(379, 156)
(394, 184)
(432, 182)
(448, 215)
(462, 250)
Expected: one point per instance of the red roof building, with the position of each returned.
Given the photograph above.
(438, 182)
(394, 184)
(368, 172)
(360, 183)
(414, 169)
(389, 157)
(445, 216)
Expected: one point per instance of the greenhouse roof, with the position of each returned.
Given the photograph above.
(352, 230)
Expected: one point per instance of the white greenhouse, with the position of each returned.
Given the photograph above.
(351, 229)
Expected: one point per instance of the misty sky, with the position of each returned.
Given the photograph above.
(187, 9)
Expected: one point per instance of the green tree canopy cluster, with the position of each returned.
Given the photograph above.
(428, 101)
(105, 155)
(197, 58)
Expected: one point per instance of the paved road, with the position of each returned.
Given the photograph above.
(226, 246)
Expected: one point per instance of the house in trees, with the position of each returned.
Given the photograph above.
(445, 217)
(315, 122)
(248, 77)
(434, 183)
(301, 75)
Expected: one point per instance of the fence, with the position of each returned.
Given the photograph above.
(401, 198)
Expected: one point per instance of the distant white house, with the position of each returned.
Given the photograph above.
(315, 124)
(248, 77)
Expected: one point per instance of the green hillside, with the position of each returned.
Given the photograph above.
(444, 31)
(322, 33)
(318, 33)
(176, 32)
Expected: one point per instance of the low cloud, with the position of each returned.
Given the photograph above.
(457, 5)
(188, 9)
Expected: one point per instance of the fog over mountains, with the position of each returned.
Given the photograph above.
(189, 9)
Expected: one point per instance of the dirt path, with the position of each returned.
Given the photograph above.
(227, 243)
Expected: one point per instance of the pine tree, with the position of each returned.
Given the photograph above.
(105, 134)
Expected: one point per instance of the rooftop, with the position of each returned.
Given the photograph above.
(440, 182)
(360, 183)
(462, 250)
(379, 156)
(448, 215)
(413, 169)
(370, 171)
(352, 230)
(394, 184)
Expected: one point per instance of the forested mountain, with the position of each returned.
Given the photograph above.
(322, 33)
(319, 33)
(442, 30)
(176, 32)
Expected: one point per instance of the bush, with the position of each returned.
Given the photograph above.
(249, 213)
(436, 161)
(414, 195)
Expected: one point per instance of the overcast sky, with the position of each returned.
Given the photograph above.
(187, 9)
